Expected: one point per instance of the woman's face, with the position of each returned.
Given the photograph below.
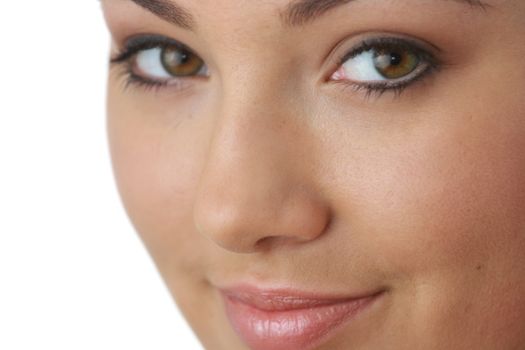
(327, 174)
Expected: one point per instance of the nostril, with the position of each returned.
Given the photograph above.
(267, 243)
(224, 225)
(247, 226)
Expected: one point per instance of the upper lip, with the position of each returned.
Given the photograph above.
(284, 299)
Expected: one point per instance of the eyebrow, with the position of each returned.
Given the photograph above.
(300, 12)
(169, 11)
(297, 13)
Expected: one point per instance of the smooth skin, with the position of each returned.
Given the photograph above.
(266, 172)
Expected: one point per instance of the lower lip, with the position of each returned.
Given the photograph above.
(295, 328)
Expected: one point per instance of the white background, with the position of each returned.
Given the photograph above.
(73, 274)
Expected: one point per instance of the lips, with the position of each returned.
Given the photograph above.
(287, 319)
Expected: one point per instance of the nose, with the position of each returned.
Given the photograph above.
(255, 190)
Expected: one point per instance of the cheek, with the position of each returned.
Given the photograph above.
(441, 213)
(439, 193)
(453, 203)
(443, 209)
(157, 159)
(458, 190)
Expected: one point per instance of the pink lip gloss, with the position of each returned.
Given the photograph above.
(286, 319)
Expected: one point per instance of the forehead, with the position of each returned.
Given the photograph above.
(290, 13)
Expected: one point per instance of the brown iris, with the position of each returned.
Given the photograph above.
(393, 64)
(180, 62)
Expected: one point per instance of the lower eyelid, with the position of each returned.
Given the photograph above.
(378, 89)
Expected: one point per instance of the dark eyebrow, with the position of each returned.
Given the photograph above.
(300, 12)
(297, 13)
(168, 11)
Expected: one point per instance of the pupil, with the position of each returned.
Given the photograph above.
(395, 59)
(184, 57)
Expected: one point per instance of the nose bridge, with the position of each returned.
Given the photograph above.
(254, 129)
(246, 164)
(248, 190)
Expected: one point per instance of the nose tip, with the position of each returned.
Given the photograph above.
(256, 188)
(247, 227)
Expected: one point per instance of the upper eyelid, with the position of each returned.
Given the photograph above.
(410, 44)
(142, 42)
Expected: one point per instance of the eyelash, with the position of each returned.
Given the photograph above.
(146, 42)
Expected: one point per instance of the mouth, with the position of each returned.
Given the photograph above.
(288, 319)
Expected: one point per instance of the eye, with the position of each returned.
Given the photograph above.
(384, 64)
(154, 60)
(167, 62)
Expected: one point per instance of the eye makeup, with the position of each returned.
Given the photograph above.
(172, 56)
(422, 62)
(144, 63)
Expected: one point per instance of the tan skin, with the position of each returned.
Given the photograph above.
(266, 171)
